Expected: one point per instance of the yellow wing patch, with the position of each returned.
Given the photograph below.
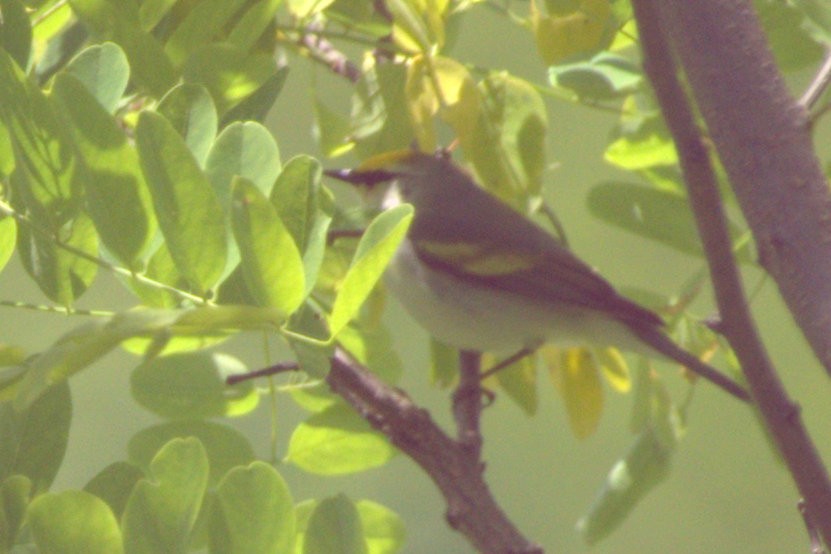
(385, 160)
(477, 259)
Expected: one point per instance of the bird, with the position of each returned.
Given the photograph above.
(480, 276)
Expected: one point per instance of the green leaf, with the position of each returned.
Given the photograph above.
(229, 73)
(104, 71)
(648, 147)
(119, 22)
(61, 275)
(644, 467)
(151, 12)
(305, 209)
(192, 386)
(202, 23)
(332, 130)
(15, 494)
(8, 236)
(254, 512)
(254, 22)
(190, 109)
(188, 211)
(257, 105)
(604, 77)
(48, 176)
(247, 150)
(660, 215)
(576, 376)
(73, 521)
(381, 118)
(372, 346)
(384, 530)
(162, 510)
(162, 269)
(334, 527)
(507, 145)
(374, 252)
(16, 31)
(337, 441)
(7, 161)
(33, 440)
(114, 484)
(63, 36)
(118, 200)
(226, 447)
(271, 262)
(77, 349)
(519, 381)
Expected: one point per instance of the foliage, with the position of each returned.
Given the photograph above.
(132, 141)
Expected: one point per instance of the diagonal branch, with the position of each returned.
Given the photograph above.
(781, 415)
(763, 137)
(471, 509)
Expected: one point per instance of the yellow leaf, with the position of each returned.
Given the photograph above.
(614, 367)
(440, 86)
(562, 36)
(575, 374)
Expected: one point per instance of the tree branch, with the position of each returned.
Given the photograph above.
(781, 415)
(471, 509)
(763, 138)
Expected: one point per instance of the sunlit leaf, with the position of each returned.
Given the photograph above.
(190, 109)
(603, 77)
(33, 440)
(15, 494)
(255, 507)
(16, 31)
(334, 527)
(192, 385)
(228, 72)
(374, 252)
(337, 441)
(271, 263)
(644, 467)
(161, 511)
(439, 85)
(507, 147)
(114, 484)
(74, 521)
(187, 208)
(225, 447)
(118, 200)
(579, 31)
(576, 377)
(104, 71)
(119, 22)
(202, 22)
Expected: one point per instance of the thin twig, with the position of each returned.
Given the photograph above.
(322, 50)
(8, 210)
(269, 371)
(56, 309)
(467, 405)
(818, 85)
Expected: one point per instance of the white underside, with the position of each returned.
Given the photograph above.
(477, 318)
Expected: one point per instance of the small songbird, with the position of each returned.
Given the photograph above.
(478, 275)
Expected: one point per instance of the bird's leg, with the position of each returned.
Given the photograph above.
(515, 357)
